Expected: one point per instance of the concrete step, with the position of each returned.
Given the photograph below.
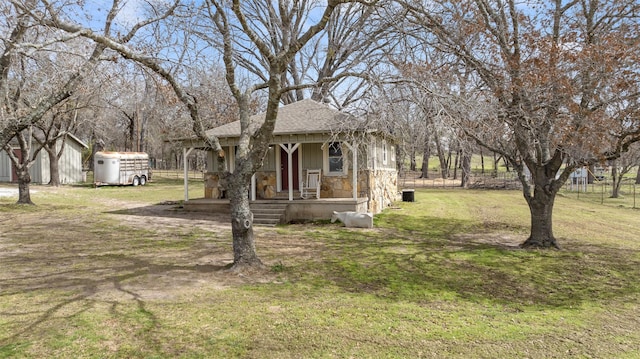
(268, 214)
(268, 207)
(266, 222)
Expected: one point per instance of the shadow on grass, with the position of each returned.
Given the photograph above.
(58, 267)
(431, 258)
(83, 287)
(172, 209)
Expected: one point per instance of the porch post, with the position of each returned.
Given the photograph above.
(253, 187)
(354, 170)
(290, 172)
(185, 154)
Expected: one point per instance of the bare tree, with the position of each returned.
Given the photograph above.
(52, 136)
(23, 158)
(32, 81)
(622, 166)
(266, 51)
(354, 42)
(242, 29)
(559, 85)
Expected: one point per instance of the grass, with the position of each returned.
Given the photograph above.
(88, 273)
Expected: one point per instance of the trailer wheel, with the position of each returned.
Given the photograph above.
(143, 180)
(136, 181)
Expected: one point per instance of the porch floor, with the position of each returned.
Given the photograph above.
(298, 210)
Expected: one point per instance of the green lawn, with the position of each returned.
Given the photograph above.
(101, 273)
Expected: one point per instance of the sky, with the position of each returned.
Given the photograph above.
(131, 12)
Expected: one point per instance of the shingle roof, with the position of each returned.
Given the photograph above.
(306, 116)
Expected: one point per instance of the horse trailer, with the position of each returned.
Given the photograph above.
(121, 168)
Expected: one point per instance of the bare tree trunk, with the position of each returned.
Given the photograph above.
(98, 145)
(506, 164)
(24, 179)
(638, 176)
(54, 168)
(617, 180)
(456, 164)
(142, 136)
(541, 224)
(400, 161)
(130, 136)
(496, 159)
(426, 154)
(481, 161)
(466, 169)
(22, 162)
(412, 158)
(444, 166)
(541, 208)
(50, 146)
(244, 250)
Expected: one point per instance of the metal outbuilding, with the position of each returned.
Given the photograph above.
(70, 164)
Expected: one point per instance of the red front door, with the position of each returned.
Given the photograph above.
(284, 169)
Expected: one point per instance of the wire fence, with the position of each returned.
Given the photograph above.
(599, 192)
(501, 180)
(178, 174)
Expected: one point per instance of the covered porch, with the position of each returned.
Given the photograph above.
(355, 167)
(283, 173)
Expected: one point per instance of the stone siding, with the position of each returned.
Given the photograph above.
(212, 188)
(265, 184)
(336, 186)
(380, 186)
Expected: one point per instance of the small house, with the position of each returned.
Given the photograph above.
(353, 167)
(70, 164)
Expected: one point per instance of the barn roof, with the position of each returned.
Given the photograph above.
(14, 142)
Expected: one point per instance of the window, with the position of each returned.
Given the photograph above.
(335, 158)
(384, 152)
(100, 162)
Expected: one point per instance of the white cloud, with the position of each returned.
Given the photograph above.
(132, 12)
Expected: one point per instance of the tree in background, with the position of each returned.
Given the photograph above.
(555, 85)
(40, 67)
(347, 59)
(623, 165)
(52, 134)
